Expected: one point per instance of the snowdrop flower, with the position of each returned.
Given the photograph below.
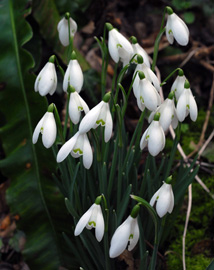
(154, 137)
(76, 105)
(149, 74)
(186, 104)
(167, 112)
(47, 127)
(126, 233)
(139, 50)
(164, 198)
(73, 75)
(77, 146)
(176, 28)
(62, 28)
(146, 94)
(46, 81)
(119, 47)
(178, 85)
(93, 218)
(99, 115)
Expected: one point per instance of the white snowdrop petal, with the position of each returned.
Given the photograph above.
(112, 46)
(181, 107)
(154, 197)
(180, 86)
(87, 153)
(89, 120)
(136, 233)
(169, 34)
(37, 130)
(171, 206)
(164, 201)
(175, 121)
(99, 230)
(180, 30)
(120, 239)
(154, 79)
(124, 42)
(149, 94)
(156, 138)
(73, 76)
(139, 50)
(66, 148)
(143, 141)
(49, 130)
(83, 221)
(193, 108)
(140, 105)
(166, 117)
(84, 105)
(109, 125)
(74, 113)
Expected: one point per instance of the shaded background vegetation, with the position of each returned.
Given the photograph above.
(139, 18)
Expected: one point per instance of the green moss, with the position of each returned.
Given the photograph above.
(198, 255)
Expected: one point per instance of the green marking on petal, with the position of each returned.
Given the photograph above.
(157, 198)
(92, 223)
(78, 150)
(170, 31)
(131, 236)
(100, 122)
(41, 130)
(80, 108)
(141, 99)
(119, 45)
(175, 90)
(188, 106)
(147, 137)
(173, 116)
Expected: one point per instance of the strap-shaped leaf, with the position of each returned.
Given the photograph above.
(26, 165)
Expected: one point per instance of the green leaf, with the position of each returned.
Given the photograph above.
(31, 193)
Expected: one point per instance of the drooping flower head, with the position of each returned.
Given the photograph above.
(149, 74)
(47, 127)
(62, 28)
(178, 85)
(167, 112)
(139, 50)
(73, 75)
(93, 218)
(176, 28)
(76, 105)
(186, 104)
(119, 47)
(154, 137)
(46, 81)
(99, 115)
(164, 198)
(77, 146)
(126, 234)
(146, 94)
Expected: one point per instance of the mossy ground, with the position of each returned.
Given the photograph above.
(200, 233)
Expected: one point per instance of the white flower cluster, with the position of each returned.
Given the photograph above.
(146, 88)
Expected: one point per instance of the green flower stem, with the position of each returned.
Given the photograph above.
(60, 68)
(128, 94)
(113, 169)
(58, 123)
(114, 77)
(106, 250)
(99, 156)
(66, 117)
(157, 41)
(169, 76)
(70, 48)
(120, 177)
(156, 47)
(119, 80)
(136, 132)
